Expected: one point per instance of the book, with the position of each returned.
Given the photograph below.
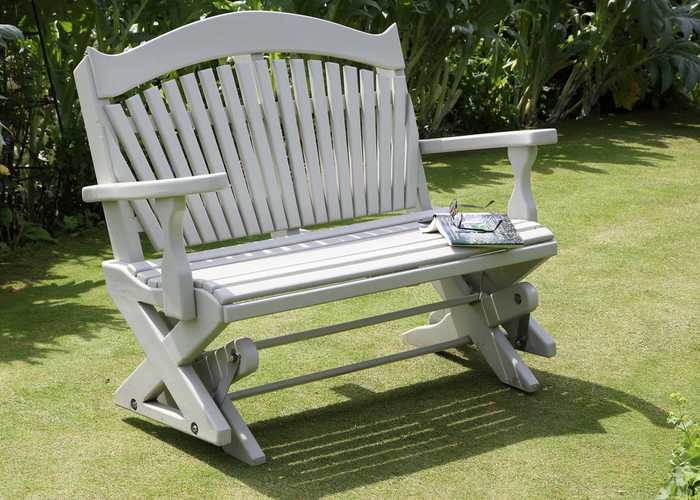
(472, 229)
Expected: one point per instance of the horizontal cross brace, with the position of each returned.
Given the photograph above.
(359, 323)
(342, 370)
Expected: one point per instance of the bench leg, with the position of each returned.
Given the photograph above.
(468, 321)
(243, 445)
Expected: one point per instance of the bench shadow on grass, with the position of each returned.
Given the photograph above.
(377, 436)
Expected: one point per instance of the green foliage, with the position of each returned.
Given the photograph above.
(684, 479)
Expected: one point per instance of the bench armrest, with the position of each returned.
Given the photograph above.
(539, 137)
(164, 188)
(168, 197)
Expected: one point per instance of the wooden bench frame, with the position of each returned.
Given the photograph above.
(175, 318)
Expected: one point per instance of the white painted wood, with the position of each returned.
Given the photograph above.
(246, 79)
(276, 141)
(165, 188)
(522, 203)
(293, 143)
(162, 170)
(369, 139)
(354, 129)
(340, 145)
(398, 176)
(251, 166)
(308, 137)
(538, 137)
(255, 32)
(185, 130)
(210, 149)
(228, 150)
(384, 138)
(413, 158)
(323, 136)
(178, 162)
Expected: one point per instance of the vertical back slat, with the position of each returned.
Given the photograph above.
(228, 150)
(398, 177)
(145, 214)
(178, 162)
(249, 92)
(210, 148)
(385, 134)
(340, 144)
(306, 202)
(323, 135)
(276, 141)
(185, 129)
(308, 138)
(413, 158)
(251, 166)
(161, 168)
(369, 139)
(354, 128)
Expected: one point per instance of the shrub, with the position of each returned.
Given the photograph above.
(684, 479)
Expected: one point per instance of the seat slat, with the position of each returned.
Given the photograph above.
(412, 258)
(398, 177)
(157, 157)
(385, 134)
(251, 167)
(185, 129)
(340, 144)
(296, 157)
(323, 136)
(228, 150)
(210, 148)
(352, 105)
(308, 138)
(178, 162)
(369, 139)
(276, 141)
(246, 79)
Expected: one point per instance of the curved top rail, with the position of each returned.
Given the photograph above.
(240, 33)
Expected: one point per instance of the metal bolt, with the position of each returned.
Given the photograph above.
(518, 299)
(195, 428)
(133, 404)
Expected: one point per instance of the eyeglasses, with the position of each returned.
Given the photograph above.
(457, 217)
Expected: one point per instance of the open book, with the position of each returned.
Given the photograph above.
(488, 230)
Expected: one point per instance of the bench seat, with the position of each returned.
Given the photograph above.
(316, 258)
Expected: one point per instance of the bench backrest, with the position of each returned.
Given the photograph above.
(303, 142)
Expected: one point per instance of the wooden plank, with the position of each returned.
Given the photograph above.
(354, 127)
(305, 201)
(398, 177)
(210, 148)
(308, 139)
(228, 150)
(339, 291)
(246, 79)
(178, 161)
(144, 126)
(369, 139)
(340, 142)
(251, 167)
(185, 129)
(323, 136)
(411, 262)
(276, 141)
(384, 133)
(413, 158)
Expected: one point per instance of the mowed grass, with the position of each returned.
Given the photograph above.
(622, 299)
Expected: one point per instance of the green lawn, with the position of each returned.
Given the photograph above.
(622, 299)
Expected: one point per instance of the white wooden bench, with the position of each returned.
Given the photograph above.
(242, 149)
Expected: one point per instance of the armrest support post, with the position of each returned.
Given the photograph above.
(522, 203)
(176, 279)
